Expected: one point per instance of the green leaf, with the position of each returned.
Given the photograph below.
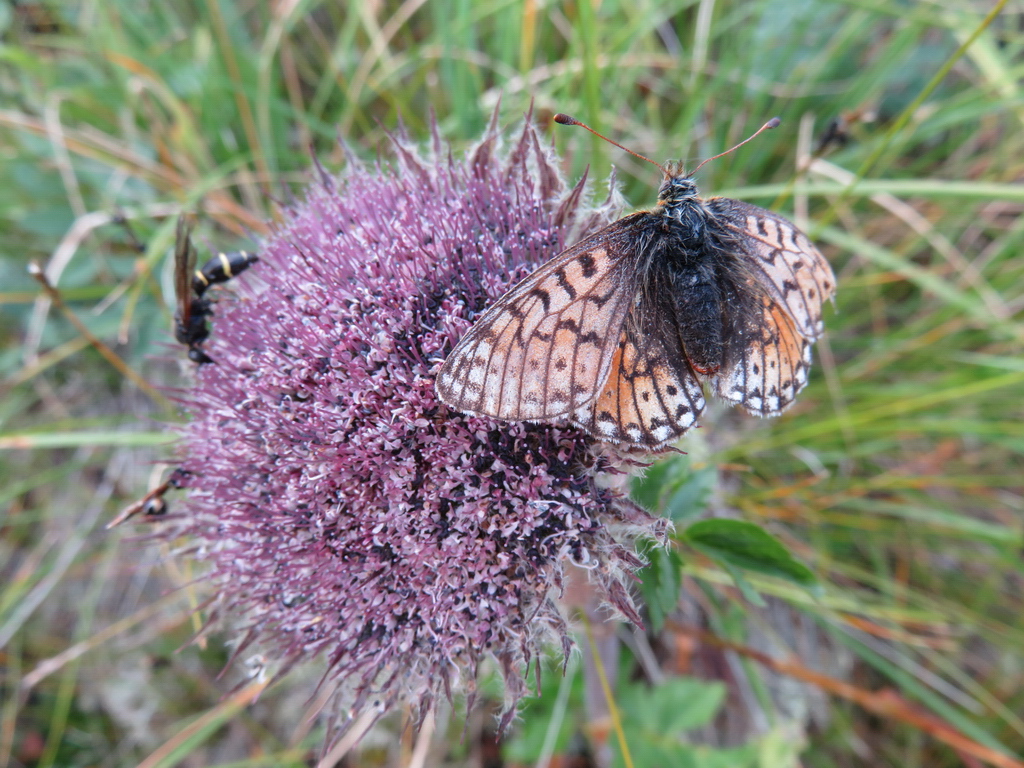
(649, 487)
(665, 712)
(674, 489)
(660, 584)
(690, 498)
(744, 545)
(655, 719)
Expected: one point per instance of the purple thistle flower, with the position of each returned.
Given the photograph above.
(342, 511)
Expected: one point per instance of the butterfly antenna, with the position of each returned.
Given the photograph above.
(567, 120)
(773, 123)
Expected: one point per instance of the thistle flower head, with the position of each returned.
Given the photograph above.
(340, 509)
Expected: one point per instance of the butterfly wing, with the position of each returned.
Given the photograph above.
(767, 363)
(782, 283)
(781, 257)
(651, 396)
(545, 348)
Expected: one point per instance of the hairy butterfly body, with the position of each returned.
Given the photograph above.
(618, 333)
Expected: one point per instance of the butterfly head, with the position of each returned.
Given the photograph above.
(677, 187)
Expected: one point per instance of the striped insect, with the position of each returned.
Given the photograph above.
(190, 284)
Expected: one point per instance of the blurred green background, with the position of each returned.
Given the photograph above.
(897, 477)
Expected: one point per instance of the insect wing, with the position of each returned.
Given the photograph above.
(546, 347)
(781, 257)
(766, 365)
(184, 267)
(787, 281)
(651, 396)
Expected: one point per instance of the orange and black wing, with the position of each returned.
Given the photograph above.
(651, 396)
(768, 364)
(784, 281)
(546, 347)
(781, 258)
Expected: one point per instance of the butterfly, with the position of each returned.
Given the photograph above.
(619, 333)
